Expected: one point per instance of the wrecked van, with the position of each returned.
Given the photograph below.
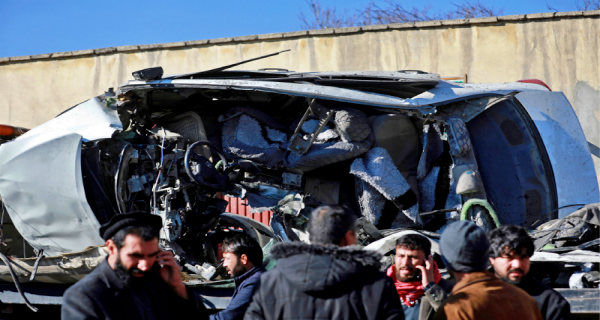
(405, 149)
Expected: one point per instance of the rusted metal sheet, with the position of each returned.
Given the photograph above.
(241, 207)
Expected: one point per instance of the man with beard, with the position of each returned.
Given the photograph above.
(330, 278)
(137, 280)
(243, 258)
(417, 278)
(478, 294)
(511, 247)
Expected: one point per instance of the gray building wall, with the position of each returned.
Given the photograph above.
(560, 49)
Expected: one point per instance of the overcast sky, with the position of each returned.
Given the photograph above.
(35, 27)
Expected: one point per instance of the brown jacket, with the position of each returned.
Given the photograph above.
(480, 295)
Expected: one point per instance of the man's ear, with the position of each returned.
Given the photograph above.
(244, 259)
(111, 246)
(349, 239)
(491, 262)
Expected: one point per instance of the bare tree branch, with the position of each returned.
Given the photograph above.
(551, 8)
(391, 11)
(473, 9)
(323, 18)
(587, 5)
(394, 12)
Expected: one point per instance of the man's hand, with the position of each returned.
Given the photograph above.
(169, 272)
(427, 271)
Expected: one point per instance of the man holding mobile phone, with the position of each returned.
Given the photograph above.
(417, 278)
(137, 280)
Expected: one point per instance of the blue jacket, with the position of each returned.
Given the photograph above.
(242, 296)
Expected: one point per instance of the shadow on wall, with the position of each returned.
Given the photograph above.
(586, 102)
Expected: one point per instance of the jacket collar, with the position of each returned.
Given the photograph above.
(123, 299)
(472, 278)
(123, 296)
(239, 280)
(110, 276)
(350, 253)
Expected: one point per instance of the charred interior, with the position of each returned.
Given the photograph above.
(180, 148)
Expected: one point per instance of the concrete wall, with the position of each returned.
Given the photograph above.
(560, 49)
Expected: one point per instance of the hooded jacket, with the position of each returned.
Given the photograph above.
(324, 282)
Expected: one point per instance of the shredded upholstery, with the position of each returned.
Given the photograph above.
(378, 171)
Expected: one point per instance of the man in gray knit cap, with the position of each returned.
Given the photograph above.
(478, 294)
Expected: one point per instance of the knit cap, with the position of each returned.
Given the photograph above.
(464, 247)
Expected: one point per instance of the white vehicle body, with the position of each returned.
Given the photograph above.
(48, 206)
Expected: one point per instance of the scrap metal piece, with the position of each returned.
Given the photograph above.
(366, 232)
(196, 74)
(300, 144)
(57, 222)
(40, 255)
(206, 270)
(149, 74)
(292, 179)
(134, 184)
(172, 224)
(134, 157)
(575, 256)
(292, 205)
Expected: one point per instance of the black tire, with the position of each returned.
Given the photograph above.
(482, 218)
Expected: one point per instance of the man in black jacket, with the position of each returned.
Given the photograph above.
(510, 250)
(243, 258)
(137, 280)
(327, 279)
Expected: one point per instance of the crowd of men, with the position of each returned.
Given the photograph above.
(330, 278)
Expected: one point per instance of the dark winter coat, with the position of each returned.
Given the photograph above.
(325, 282)
(103, 295)
(242, 296)
(552, 305)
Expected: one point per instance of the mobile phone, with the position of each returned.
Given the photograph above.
(418, 271)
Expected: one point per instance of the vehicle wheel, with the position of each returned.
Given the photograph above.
(482, 218)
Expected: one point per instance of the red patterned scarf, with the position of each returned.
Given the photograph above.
(410, 292)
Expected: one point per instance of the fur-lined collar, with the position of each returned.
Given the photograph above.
(349, 253)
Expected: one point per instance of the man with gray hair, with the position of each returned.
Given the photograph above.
(330, 278)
